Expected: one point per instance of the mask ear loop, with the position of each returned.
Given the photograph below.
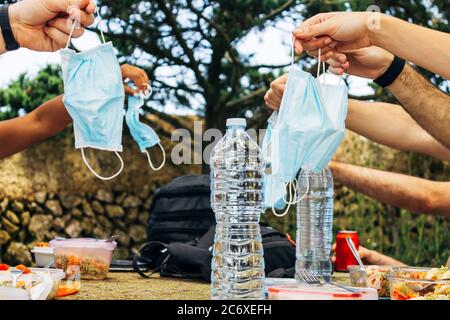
(150, 160)
(291, 187)
(96, 174)
(150, 89)
(75, 23)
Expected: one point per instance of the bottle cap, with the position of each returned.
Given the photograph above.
(241, 122)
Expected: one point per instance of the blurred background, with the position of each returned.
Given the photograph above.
(207, 61)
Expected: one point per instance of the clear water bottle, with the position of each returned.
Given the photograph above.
(315, 223)
(237, 200)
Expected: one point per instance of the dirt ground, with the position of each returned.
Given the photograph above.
(130, 286)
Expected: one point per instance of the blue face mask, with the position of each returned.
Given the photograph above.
(143, 134)
(94, 97)
(305, 134)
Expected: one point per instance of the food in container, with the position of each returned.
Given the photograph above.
(43, 256)
(371, 276)
(33, 284)
(409, 283)
(314, 292)
(88, 258)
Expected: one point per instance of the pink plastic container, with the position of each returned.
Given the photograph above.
(88, 258)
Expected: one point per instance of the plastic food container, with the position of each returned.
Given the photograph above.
(325, 292)
(43, 256)
(408, 283)
(40, 284)
(56, 275)
(372, 276)
(88, 258)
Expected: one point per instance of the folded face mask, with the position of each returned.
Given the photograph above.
(305, 135)
(142, 133)
(94, 97)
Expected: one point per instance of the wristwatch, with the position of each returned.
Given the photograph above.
(8, 36)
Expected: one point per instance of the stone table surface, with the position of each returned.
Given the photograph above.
(130, 286)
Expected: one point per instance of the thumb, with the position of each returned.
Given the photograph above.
(314, 30)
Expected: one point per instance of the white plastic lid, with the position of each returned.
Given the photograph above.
(83, 243)
(241, 122)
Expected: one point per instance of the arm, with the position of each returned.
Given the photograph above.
(377, 258)
(398, 129)
(44, 122)
(354, 30)
(414, 43)
(52, 117)
(395, 189)
(428, 105)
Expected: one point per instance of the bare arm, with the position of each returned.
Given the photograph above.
(425, 47)
(428, 105)
(392, 126)
(19, 133)
(414, 194)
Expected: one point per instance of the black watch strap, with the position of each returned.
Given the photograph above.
(391, 74)
(8, 36)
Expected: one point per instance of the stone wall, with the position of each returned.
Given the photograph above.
(47, 191)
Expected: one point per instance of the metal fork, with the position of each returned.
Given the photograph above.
(310, 278)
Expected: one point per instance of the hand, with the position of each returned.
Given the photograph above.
(367, 256)
(138, 77)
(44, 25)
(349, 29)
(369, 62)
(275, 93)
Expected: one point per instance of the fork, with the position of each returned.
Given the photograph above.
(15, 274)
(310, 278)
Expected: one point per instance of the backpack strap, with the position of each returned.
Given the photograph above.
(153, 254)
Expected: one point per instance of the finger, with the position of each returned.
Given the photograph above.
(336, 70)
(298, 47)
(65, 26)
(129, 90)
(317, 43)
(305, 25)
(308, 32)
(59, 39)
(90, 8)
(82, 17)
(273, 104)
(315, 53)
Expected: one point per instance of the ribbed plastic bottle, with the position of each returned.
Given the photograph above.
(237, 200)
(315, 223)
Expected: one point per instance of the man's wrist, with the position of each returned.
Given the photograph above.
(379, 30)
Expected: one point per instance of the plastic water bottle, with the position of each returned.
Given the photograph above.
(315, 224)
(237, 200)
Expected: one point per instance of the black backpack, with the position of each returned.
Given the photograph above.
(181, 210)
(181, 232)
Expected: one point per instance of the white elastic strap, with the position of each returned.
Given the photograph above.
(318, 63)
(292, 196)
(150, 160)
(99, 23)
(99, 27)
(96, 174)
(71, 33)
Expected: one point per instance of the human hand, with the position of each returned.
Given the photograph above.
(275, 94)
(369, 62)
(367, 256)
(44, 25)
(349, 29)
(138, 77)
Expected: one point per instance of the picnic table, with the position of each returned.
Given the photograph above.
(130, 286)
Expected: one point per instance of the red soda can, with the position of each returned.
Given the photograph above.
(344, 256)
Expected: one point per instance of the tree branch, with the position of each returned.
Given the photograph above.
(179, 36)
(249, 99)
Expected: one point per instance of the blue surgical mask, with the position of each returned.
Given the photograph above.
(307, 131)
(142, 133)
(94, 97)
